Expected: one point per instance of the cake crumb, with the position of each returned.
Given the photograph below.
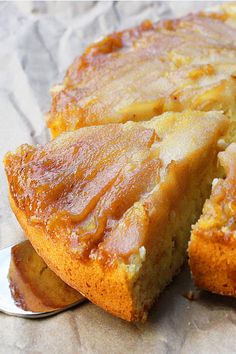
(191, 295)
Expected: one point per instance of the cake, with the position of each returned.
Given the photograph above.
(110, 207)
(34, 286)
(212, 249)
(174, 65)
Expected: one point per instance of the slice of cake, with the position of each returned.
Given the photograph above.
(189, 63)
(109, 208)
(34, 286)
(212, 249)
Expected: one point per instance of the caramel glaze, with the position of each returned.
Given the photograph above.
(81, 187)
(147, 33)
(17, 295)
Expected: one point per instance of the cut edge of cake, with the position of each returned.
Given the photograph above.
(212, 248)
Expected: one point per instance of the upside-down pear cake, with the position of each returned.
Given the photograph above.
(109, 208)
(188, 63)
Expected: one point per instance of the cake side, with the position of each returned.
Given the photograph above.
(212, 249)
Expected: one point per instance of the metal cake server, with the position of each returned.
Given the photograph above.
(9, 305)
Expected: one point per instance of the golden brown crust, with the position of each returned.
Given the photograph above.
(213, 264)
(142, 72)
(108, 290)
(212, 249)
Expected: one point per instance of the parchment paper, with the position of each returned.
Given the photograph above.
(38, 41)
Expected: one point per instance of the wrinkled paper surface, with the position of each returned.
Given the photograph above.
(38, 41)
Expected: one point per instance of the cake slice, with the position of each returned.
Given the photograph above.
(34, 286)
(109, 208)
(212, 249)
(189, 63)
